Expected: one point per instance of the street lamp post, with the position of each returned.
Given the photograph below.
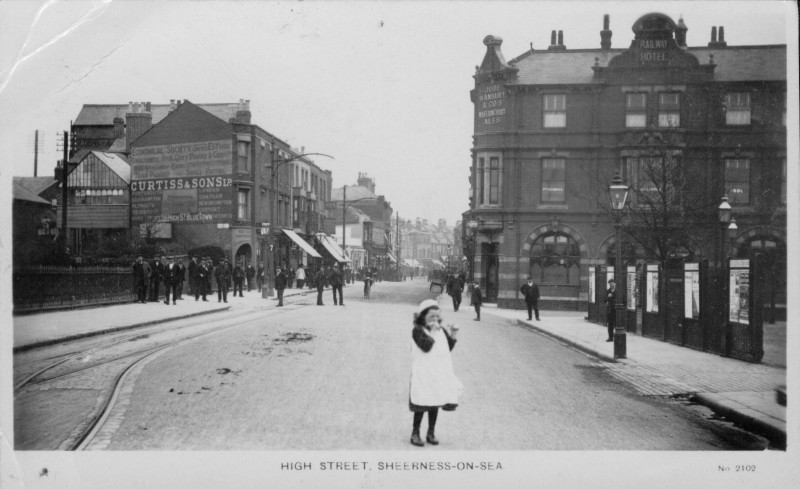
(275, 163)
(724, 213)
(618, 193)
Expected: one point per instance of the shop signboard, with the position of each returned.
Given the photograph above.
(182, 183)
(739, 290)
(691, 290)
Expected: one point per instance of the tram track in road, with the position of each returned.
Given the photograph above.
(96, 374)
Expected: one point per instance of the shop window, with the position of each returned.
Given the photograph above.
(635, 110)
(737, 109)
(555, 260)
(553, 179)
(479, 180)
(555, 111)
(737, 180)
(669, 109)
(243, 213)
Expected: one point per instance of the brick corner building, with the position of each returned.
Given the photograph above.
(552, 126)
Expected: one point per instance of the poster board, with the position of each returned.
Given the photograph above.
(739, 292)
(631, 284)
(651, 299)
(691, 290)
(592, 281)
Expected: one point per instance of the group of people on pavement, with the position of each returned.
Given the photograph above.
(148, 278)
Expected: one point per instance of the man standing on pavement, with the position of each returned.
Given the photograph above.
(170, 281)
(320, 279)
(610, 310)
(223, 275)
(193, 286)
(238, 279)
(251, 274)
(530, 291)
(201, 287)
(141, 277)
(456, 287)
(477, 299)
(260, 277)
(180, 278)
(280, 284)
(156, 270)
(300, 275)
(336, 285)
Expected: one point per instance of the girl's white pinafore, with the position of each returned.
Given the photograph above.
(433, 381)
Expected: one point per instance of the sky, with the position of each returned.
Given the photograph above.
(383, 87)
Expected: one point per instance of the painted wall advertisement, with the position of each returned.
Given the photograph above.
(691, 290)
(491, 106)
(739, 290)
(182, 183)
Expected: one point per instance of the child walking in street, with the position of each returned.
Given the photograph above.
(477, 299)
(434, 384)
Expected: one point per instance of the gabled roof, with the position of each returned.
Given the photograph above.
(37, 185)
(117, 163)
(20, 192)
(104, 114)
(188, 123)
(574, 67)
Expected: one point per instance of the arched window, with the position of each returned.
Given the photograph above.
(555, 260)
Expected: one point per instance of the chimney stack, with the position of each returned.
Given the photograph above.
(605, 34)
(242, 115)
(557, 41)
(137, 122)
(714, 42)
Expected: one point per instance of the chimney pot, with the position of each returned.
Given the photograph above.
(130, 107)
(560, 38)
(714, 34)
(553, 38)
(147, 107)
(605, 22)
(721, 34)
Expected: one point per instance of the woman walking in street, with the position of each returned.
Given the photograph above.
(434, 384)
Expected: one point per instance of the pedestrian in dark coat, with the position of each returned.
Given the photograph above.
(250, 273)
(319, 279)
(260, 277)
(433, 383)
(201, 281)
(170, 279)
(223, 276)
(530, 292)
(238, 279)
(477, 299)
(456, 286)
(336, 282)
(610, 310)
(181, 278)
(280, 285)
(141, 278)
(156, 272)
(192, 268)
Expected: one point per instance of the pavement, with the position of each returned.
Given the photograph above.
(741, 392)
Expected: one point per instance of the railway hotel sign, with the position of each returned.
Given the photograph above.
(182, 183)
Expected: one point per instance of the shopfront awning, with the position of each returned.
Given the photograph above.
(301, 243)
(437, 263)
(391, 256)
(333, 248)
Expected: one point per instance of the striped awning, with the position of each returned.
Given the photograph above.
(333, 248)
(301, 243)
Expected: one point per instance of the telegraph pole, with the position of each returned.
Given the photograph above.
(64, 192)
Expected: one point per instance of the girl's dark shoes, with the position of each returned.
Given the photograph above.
(431, 439)
(416, 440)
